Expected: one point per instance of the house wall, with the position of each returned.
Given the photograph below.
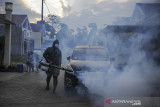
(26, 33)
(17, 41)
(36, 36)
(28, 44)
(20, 34)
(137, 17)
(152, 20)
(20, 42)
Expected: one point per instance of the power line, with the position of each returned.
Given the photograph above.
(47, 7)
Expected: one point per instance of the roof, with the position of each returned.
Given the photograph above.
(17, 19)
(129, 28)
(146, 13)
(87, 46)
(5, 21)
(36, 27)
(149, 8)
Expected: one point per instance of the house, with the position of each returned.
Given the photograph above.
(146, 14)
(2, 22)
(143, 14)
(21, 41)
(37, 35)
(144, 24)
(2, 39)
(121, 39)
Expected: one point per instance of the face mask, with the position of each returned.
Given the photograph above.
(56, 45)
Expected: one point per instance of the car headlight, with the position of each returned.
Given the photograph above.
(71, 69)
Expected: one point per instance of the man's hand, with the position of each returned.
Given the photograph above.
(48, 61)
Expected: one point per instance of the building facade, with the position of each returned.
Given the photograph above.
(37, 35)
(21, 41)
(140, 33)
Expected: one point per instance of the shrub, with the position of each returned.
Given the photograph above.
(18, 59)
(13, 66)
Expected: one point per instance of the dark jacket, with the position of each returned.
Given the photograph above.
(53, 55)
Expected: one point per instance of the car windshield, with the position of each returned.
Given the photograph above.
(94, 54)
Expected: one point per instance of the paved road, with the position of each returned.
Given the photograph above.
(28, 90)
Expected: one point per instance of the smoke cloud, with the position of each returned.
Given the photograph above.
(135, 71)
(138, 78)
(135, 52)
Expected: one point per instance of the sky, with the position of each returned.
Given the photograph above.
(76, 13)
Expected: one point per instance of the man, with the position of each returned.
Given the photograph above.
(53, 56)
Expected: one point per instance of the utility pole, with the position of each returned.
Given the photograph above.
(42, 12)
(7, 50)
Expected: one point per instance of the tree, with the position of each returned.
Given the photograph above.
(63, 32)
(52, 34)
(93, 31)
(52, 25)
(48, 27)
(55, 21)
(82, 36)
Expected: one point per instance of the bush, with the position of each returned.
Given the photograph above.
(13, 66)
(18, 59)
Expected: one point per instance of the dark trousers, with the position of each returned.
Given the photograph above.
(31, 68)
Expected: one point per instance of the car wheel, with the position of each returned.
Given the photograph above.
(68, 83)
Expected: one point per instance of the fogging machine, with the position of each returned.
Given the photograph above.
(45, 66)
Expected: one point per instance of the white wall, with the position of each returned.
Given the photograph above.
(36, 36)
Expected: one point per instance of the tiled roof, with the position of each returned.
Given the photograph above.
(17, 19)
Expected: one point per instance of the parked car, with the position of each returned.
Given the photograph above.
(85, 59)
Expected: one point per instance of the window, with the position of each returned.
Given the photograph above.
(93, 54)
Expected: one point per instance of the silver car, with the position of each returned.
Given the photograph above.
(85, 59)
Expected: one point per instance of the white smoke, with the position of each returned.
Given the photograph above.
(137, 79)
